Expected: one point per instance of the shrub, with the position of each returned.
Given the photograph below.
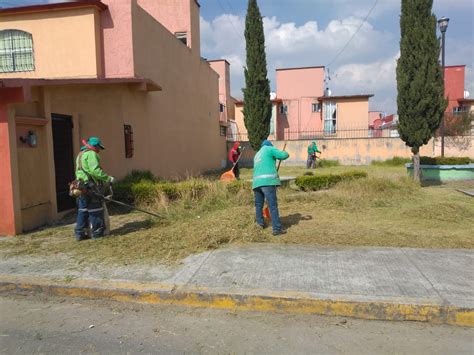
(445, 160)
(308, 173)
(395, 161)
(144, 192)
(123, 188)
(168, 189)
(327, 163)
(236, 186)
(318, 182)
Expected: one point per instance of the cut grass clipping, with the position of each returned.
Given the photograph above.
(385, 209)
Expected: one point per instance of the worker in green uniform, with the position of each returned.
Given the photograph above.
(265, 181)
(312, 150)
(90, 208)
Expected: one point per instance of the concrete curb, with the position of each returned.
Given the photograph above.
(246, 300)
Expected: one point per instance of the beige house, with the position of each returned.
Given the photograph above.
(128, 71)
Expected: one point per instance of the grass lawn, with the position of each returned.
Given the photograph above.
(386, 209)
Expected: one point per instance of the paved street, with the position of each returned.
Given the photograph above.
(36, 324)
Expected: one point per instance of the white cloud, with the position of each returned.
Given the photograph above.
(377, 78)
(290, 45)
(367, 65)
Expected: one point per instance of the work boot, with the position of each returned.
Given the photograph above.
(262, 226)
(280, 232)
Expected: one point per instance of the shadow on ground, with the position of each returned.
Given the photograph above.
(131, 227)
(294, 219)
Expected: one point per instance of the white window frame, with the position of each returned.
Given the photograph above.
(14, 51)
(316, 107)
(329, 122)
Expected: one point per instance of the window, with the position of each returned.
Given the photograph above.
(128, 133)
(182, 36)
(16, 51)
(283, 109)
(459, 109)
(316, 107)
(221, 107)
(330, 117)
(223, 131)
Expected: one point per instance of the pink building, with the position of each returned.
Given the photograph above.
(226, 101)
(454, 89)
(302, 110)
(128, 71)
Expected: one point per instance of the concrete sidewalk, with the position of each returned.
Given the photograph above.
(374, 283)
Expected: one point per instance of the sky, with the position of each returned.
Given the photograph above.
(318, 32)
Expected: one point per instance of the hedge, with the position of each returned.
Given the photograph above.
(445, 160)
(318, 182)
(395, 161)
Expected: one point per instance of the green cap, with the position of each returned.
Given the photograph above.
(95, 142)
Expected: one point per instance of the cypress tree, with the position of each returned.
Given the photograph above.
(420, 99)
(257, 104)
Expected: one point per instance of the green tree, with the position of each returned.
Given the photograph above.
(420, 99)
(257, 104)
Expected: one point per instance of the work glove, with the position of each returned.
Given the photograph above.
(111, 180)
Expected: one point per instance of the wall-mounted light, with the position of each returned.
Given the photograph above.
(31, 139)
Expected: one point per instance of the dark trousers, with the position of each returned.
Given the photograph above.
(269, 193)
(236, 171)
(311, 161)
(89, 212)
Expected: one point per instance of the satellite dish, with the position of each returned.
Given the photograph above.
(466, 94)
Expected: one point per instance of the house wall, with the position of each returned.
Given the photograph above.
(116, 33)
(185, 119)
(346, 151)
(454, 85)
(352, 113)
(299, 82)
(33, 173)
(221, 67)
(239, 120)
(176, 16)
(65, 42)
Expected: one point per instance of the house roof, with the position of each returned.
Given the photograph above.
(53, 6)
(148, 84)
(361, 96)
(468, 101)
(218, 60)
(297, 68)
(454, 66)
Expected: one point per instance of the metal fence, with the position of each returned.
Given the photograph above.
(287, 135)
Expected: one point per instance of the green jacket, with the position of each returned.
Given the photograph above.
(264, 169)
(90, 162)
(313, 149)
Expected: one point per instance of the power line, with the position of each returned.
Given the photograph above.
(231, 22)
(352, 37)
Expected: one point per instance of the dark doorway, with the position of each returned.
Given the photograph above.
(63, 160)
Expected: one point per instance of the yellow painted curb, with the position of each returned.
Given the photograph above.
(286, 302)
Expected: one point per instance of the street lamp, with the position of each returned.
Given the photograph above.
(443, 26)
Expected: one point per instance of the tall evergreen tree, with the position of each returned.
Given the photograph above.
(257, 104)
(420, 100)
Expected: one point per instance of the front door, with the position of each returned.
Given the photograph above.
(63, 160)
